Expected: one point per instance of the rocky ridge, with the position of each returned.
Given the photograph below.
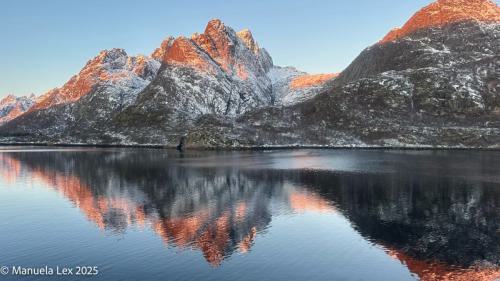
(108, 83)
(446, 12)
(12, 106)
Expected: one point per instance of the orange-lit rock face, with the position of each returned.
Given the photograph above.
(78, 86)
(435, 271)
(307, 81)
(137, 65)
(444, 12)
(159, 53)
(246, 36)
(217, 44)
(109, 66)
(184, 52)
(214, 44)
(10, 99)
(214, 48)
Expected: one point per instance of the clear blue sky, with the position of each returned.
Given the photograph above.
(43, 43)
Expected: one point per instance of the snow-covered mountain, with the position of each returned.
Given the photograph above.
(220, 72)
(12, 106)
(433, 82)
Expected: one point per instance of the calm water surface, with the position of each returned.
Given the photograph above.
(142, 214)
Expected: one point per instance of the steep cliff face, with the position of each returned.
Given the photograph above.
(12, 106)
(218, 48)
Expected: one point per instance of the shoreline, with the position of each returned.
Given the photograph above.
(250, 148)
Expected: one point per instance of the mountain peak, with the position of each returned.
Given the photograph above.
(247, 37)
(110, 66)
(183, 51)
(444, 12)
(111, 55)
(215, 25)
(218, 42)
(219, 47)
(9, 99)
(160, 52)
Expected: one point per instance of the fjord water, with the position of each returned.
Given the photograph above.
(142, 214)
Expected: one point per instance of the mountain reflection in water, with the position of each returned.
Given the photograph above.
(440, 225)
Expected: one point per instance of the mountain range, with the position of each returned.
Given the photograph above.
(431, 83)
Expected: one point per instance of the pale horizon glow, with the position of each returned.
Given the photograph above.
(47, 42)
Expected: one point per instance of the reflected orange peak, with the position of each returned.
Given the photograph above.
(305, 202)
(435, 271)
(10, 169)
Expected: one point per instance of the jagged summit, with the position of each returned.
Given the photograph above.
(219, 47)
(160, 52)
(247, 37)
(444, 12)
(7, 100)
